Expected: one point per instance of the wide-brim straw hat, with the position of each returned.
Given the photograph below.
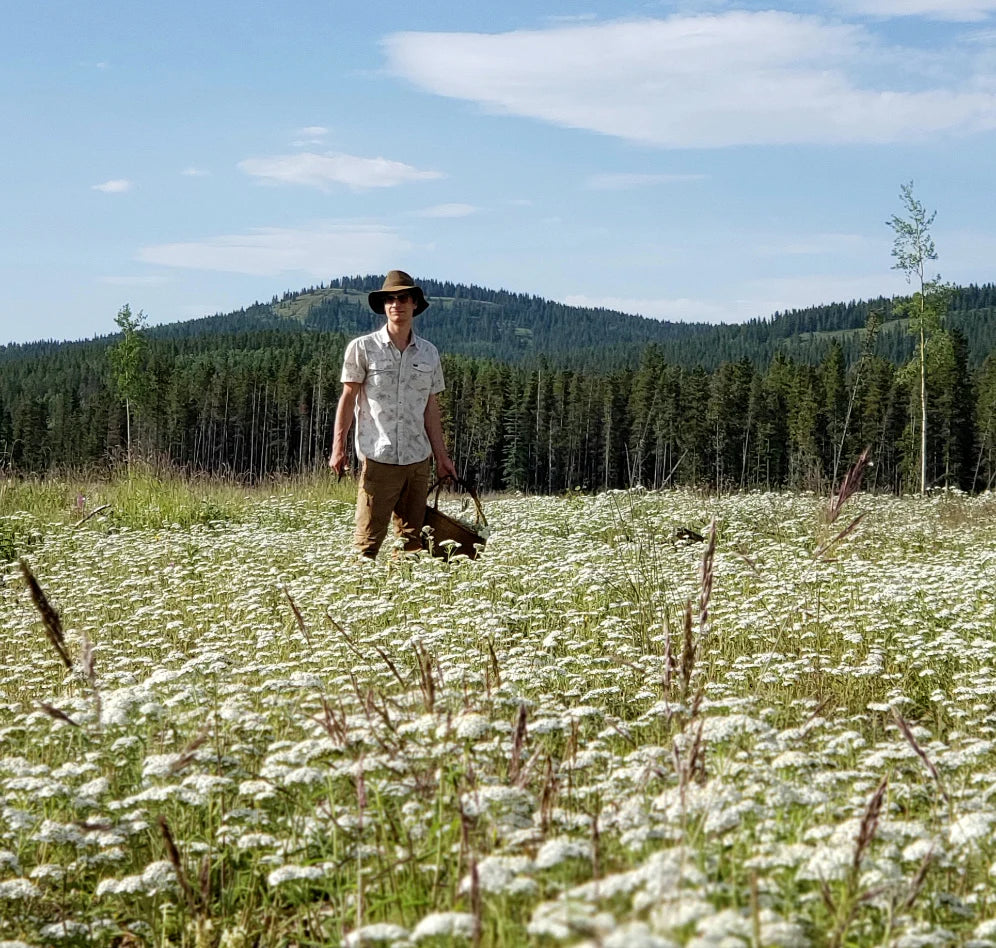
(397, 281)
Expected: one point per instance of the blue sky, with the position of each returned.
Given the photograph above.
(700, 160)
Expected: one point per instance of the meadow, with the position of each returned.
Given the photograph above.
(218, 727)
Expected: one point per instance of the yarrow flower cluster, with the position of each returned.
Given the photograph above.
(548, 732)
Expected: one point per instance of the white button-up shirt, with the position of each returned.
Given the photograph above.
(390, 409)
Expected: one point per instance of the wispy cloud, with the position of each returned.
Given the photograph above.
(114, 186)
(193, 172)
(621, 181)
(311, 135)
(316, 250)
(737, 78)
(320, 171)
(950, 10)
(448, 210)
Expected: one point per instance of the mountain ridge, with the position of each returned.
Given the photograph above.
(513, 327)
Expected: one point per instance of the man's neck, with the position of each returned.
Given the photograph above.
(400, 336)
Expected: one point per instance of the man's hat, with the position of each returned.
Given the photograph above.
(397, 281)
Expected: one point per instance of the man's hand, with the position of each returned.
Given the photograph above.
(446, 468)
(339, 461)
(434, 429)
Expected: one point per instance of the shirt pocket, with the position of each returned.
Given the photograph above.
(379, 374)
(422, 377)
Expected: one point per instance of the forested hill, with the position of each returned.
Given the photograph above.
(516, 328)
(539, 396)
(463, 320)
(513, 327)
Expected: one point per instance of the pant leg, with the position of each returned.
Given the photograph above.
(409, 510)
(377, 495)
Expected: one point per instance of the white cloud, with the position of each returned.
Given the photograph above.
(319, 171)
(193, 172)
(311, 135)
(448, 210)
(625, 182)
(951, 10)
(114, 186)
(316, 250)
(738, 78)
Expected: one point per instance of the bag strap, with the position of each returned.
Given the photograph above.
(469, 489)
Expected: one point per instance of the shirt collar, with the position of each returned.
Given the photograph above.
(385, 339)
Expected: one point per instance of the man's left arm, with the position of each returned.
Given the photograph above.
(434, 429)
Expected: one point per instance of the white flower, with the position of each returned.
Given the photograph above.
(207, 783)
(565, 918)
(257, 789)
(508, 806)
(502, 874)
(472, 727)
(93, 789)
(294, 874)
(560, 849)
(52, 831)
(827, 862)
(919, 849)
(159, 765)
(303, 775)
(158, 876)
(445, 925)
(634, 935)
(256, 841)
(64, 929)
(970, 828)
(17, 890)
(373, 934)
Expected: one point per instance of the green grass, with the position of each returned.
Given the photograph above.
(276, 743)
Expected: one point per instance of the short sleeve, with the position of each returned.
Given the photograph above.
(354, 363)
(437, 379)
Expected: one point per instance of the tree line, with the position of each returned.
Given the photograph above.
(257, 403)
(517, 328)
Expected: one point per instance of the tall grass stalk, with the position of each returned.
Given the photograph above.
(594, 734)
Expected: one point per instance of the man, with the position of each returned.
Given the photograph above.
(390, 380)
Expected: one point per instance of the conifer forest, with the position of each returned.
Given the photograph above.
(540, 397)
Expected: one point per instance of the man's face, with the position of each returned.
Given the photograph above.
(399, 307)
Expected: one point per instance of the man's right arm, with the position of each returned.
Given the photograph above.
(339, 458)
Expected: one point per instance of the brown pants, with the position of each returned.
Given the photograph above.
(390, 489)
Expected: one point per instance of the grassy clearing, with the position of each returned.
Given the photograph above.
(593, 735)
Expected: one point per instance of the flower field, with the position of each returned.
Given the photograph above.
(615, 728)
